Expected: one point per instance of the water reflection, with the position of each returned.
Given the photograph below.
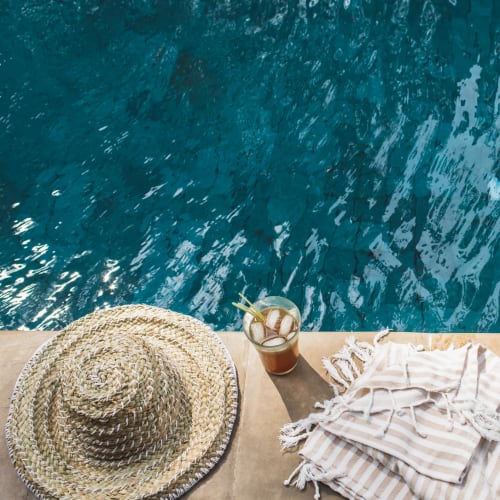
(342, 153)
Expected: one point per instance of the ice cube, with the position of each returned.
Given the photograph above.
(272, 319)
(274, 341)
(257, 331)
(286, 324)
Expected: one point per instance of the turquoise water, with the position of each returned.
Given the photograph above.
(344, 154)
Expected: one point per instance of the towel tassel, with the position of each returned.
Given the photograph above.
(308, 472)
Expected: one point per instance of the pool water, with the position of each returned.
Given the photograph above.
(344, 154)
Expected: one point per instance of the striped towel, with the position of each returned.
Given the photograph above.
(414, 424)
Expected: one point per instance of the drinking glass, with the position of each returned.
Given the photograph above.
(276, 339)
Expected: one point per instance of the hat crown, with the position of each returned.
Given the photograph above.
(119, 401)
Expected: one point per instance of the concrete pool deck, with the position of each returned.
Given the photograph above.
(253, 465)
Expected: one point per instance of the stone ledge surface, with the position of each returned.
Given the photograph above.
(253, 465)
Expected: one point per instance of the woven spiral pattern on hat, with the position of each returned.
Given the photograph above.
(125, 403)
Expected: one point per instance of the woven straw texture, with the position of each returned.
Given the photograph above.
(132, 402)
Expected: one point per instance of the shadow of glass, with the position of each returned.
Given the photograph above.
(301, 389)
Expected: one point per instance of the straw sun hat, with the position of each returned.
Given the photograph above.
(125, 403)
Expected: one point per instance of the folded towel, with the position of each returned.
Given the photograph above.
(414, 424)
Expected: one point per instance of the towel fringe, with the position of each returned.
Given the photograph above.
(302, 474)
(448, 411)
(294, 432)
(342, 367)
(485, 420)
(380, 335)
(308, 472)
(415, 424)
(335, 375)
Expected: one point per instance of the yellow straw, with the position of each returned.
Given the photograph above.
(251, 309)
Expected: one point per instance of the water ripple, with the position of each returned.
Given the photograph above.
(343, 153)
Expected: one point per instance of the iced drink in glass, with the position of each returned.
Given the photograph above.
(275, 333)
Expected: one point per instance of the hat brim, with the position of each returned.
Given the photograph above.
(48, 465)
